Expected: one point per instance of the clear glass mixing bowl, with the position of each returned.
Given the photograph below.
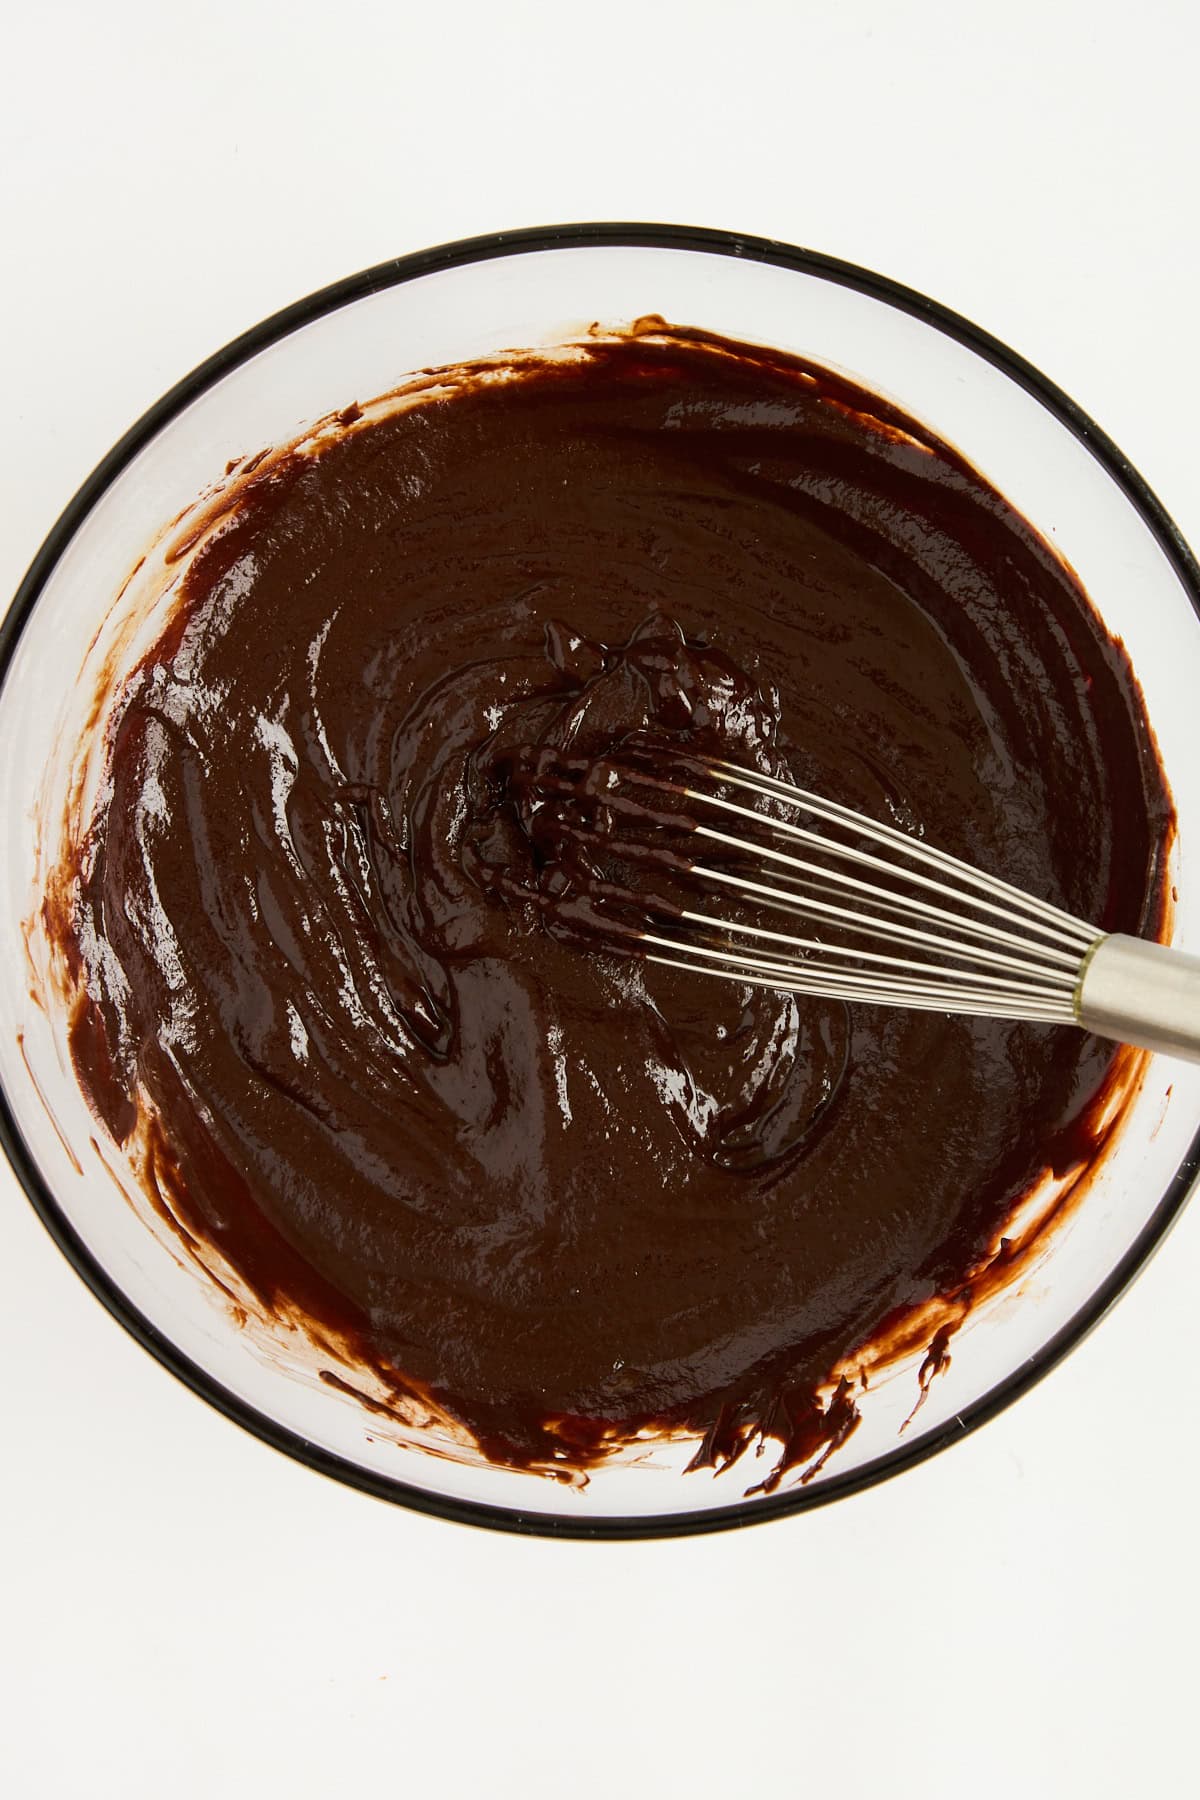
(359, 339)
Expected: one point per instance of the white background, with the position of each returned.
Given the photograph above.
(182, 1611)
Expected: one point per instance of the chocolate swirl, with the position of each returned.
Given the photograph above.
(567, 1196)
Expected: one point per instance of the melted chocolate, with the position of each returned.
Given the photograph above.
(563, 1196)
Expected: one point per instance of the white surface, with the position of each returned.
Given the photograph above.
(184, 1611)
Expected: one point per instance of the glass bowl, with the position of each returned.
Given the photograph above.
(360, 338)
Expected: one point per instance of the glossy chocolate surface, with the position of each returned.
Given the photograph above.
(566, 1196)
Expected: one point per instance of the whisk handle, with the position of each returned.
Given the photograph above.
(1142, 994)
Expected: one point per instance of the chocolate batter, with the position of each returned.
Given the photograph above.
(561, 1196)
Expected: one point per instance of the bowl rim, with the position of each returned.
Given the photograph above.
(397, 270)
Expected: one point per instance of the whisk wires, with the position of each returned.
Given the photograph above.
(888, 918)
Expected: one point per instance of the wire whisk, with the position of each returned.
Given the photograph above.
(876, 916)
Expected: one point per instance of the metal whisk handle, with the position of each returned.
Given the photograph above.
(1141, 993)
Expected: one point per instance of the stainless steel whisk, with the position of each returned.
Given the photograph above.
(925, 930)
